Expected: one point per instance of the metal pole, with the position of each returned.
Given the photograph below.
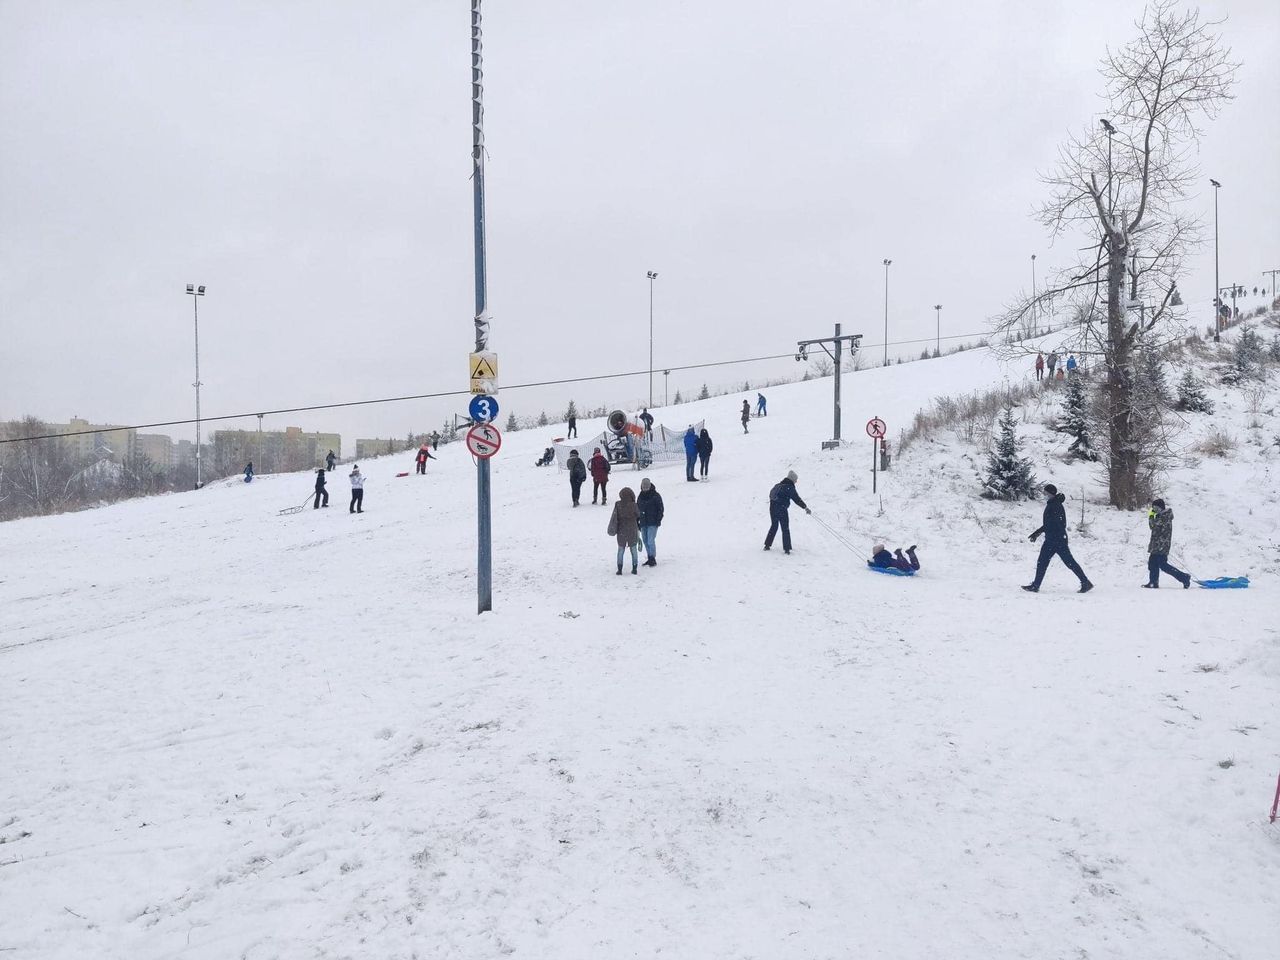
(1035, 306)
(937, 348)
(874, 451)
(652, 276)
(886, 311)
(836, 434)
(195, 304)
(484, 519)
(1216, 287)
(666, 393)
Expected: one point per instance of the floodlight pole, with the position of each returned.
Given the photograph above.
(886, 311)
(837, 342)
(937, 348)
(652, 277)
(196, 293)
(484, 518)
(1217, 305)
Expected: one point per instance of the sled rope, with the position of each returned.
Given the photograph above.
(839, 537)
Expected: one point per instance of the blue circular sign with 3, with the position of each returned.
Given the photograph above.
(484, 409)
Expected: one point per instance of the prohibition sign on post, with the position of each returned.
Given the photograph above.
(876, 428)
(483, 440)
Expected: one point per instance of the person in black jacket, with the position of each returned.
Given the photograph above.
(577, 474)
(704, 451)
(649, 503)
(320, 491)
(780, 498)
(1054, 528)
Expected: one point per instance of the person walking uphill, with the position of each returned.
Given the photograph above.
(704, 452)
(649, 505)
(624, 524)
(330, 460)
(690, 454)
(320, 491)
(1039, 366)
(746, 415)
(600, 468)
(780, 499)
(1052, 362)
(577, 475)
(1054, 528)
(1160, 520)
(357, 490)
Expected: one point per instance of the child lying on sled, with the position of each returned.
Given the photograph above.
(882, 559)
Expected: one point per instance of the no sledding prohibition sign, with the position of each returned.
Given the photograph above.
(483, 440)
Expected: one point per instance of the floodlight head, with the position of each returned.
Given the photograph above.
(1106, 125)
(191, 288)
(1214, 182)
(887, 262)
(937, 306)
(200, 290)
(653, 275)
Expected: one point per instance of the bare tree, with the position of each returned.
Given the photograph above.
(1122, 185)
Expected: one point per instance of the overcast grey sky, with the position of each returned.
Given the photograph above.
(309, 162)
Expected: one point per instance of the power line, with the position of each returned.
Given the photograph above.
(444, 393)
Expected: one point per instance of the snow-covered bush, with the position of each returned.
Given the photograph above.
(1009, 475)
(1075, 421)
(1191, 395)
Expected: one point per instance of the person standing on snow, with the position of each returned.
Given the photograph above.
(1039, 366)
(1052, 362)
(1071, 365)
(357, 490)
(330, 460)
(780, 499)
(746, 415)
(690, 454)
(1160, 520)
(248, 472)
(762, 409)
(649, 506)
(1054, 528)
(577, 475)
(600, 468)
(320, 491)
(424, 454)
(704, 452)
(624, 524)
(573, 426)
(647, 419)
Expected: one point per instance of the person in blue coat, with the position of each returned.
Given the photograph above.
(248, 472)
(762, 407)
(781, 497)
(690, 454)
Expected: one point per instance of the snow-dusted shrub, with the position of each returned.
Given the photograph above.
(1191, 395)
(1009, 475)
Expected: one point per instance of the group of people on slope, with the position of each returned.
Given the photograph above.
(635, 521)
(697, 449)
(598, 467)
(1055, 373)
(357, 490)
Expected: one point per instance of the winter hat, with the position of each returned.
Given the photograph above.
(573, 453)
(1050, 489)
(646, 484)
(877, 548)
(1158, 504)
(791, 475)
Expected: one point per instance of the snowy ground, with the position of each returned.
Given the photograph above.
(226, 733)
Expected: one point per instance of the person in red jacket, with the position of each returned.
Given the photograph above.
(423, 456)
(599, 468)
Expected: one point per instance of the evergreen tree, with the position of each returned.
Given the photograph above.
(542, 419)
(1075, 421)
(705, 394)
(446, 432)
(746, 386)
(1151, 379)
(1191, 395)
(1009, 475)
(678, 397)
(572, 412)
(512, 423)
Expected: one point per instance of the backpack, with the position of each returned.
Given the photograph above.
(578, 471)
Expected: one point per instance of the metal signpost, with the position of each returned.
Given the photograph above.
(876, 431)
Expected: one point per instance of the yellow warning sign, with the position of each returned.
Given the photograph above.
(484, 373)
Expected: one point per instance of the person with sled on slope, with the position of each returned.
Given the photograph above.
(357, 490)
(624, 524)
(1054, 528)
(424, 454)
(781, 497)
(1160, 521)
(884, 560)
(746, 415)
(577, 475)
(548, 456)
(320, 491)
(330, 460)
(599, 467)
(690, 454)
(649, 506)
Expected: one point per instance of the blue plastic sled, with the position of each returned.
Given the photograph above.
(892, 571)
(1225, 583)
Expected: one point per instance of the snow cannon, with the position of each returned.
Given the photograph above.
(627, 442)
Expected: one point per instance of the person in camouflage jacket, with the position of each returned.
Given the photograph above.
(1160, 520)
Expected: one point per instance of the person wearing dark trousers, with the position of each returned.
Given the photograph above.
(320, 491)
(600, 468)
(435, 441)
(746, 415)
(577, 475)
(1160, 520)
(357, 490)
(330, 460)
(1054, 528)
(704, 452)
(690, 454)
(573, 427)
(647, 419)
(884, 560)
(421, 459)
(248, 472)
(762, 406)
(781, 497)
(649, 505)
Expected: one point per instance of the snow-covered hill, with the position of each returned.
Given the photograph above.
(227, 733)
